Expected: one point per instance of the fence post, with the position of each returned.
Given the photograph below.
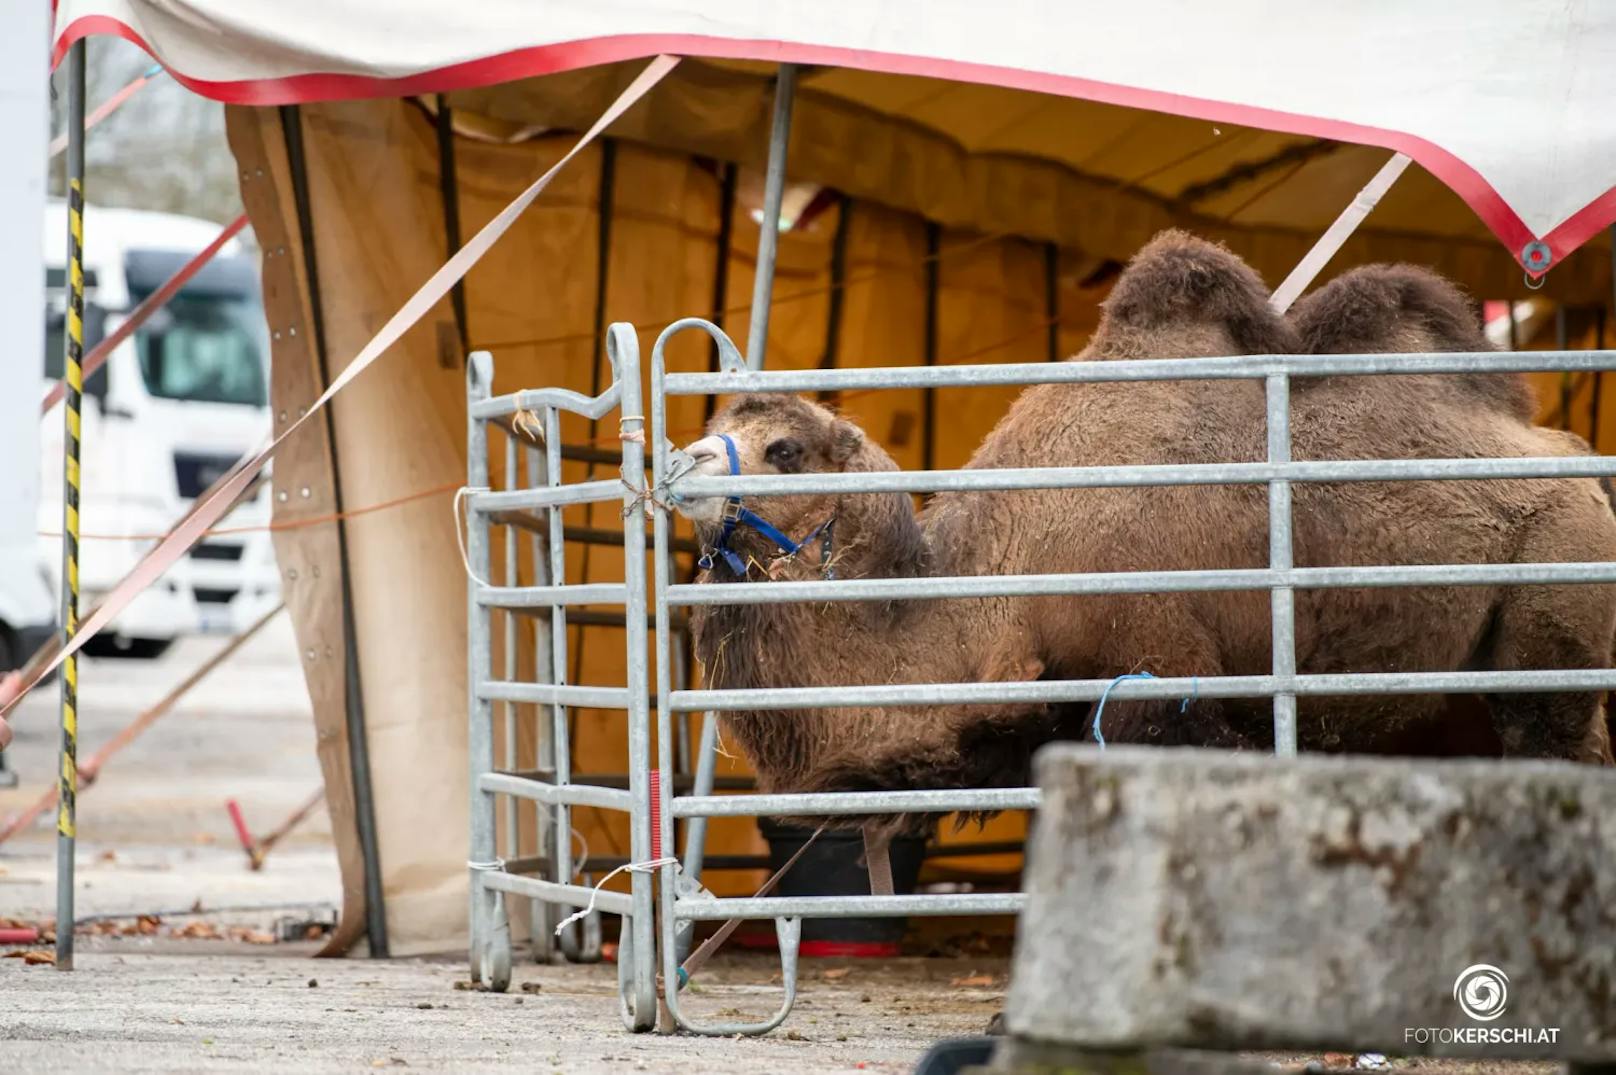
(644, 845)
(480, 732)
(1282, 599)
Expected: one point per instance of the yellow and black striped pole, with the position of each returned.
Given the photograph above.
(73, 370)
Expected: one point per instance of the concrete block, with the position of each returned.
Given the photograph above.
(1207, 899)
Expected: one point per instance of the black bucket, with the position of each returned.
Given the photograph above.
(834, 866)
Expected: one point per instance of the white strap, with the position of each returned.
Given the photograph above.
(878, 860)
(1330, 243)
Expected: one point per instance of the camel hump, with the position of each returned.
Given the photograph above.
(1382, 309)
(1178, 280)
(1370, 307)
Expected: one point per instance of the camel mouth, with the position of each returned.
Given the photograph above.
(707, 458)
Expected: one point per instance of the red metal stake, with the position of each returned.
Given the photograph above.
(247, 843)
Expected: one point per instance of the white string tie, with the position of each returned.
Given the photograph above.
(485, 867)
(649, 866)
(460, 537)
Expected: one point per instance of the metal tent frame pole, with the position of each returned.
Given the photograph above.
(73, 380)
(757, 335)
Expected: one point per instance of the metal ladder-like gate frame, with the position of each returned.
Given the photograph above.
(677, 894)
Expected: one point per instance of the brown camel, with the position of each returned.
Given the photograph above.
(1405, 308)
(1180, 297)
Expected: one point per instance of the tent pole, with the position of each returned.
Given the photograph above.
(1052, 352)
(838, 288)
(1337, 234)
(73, 381)
(1599, 380)
(1562, 343)
(757, 337)
(726, 235)
(449, 189)
(928, 396)
(353, 688)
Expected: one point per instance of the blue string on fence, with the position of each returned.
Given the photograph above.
(1099, 709)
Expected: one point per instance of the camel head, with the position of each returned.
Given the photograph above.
(1185, 297)
(784, 434)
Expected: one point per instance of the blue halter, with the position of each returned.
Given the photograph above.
(735, 513)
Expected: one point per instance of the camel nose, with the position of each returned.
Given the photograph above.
(707, 451)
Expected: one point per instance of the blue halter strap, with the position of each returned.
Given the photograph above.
(736, 513)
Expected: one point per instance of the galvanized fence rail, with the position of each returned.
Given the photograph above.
(680, 898)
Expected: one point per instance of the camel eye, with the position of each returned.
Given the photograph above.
(784, 455)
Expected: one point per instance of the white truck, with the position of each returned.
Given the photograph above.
(27, 602)
(173, 408)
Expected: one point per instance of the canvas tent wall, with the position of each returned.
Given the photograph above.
(969, 214)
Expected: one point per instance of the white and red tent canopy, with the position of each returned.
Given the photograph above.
(1510, 103)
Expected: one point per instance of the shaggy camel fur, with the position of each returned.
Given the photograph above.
(1405, 308)
(1180, 297)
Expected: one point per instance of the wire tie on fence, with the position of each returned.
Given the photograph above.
(636, 436)
(485, 867)
(460, 537)
(1099, 710)
(649, 866)
(643, 497)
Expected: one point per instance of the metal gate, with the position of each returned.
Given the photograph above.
(650, 800)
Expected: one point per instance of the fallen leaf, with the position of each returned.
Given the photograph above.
(1338, 1060)
(974, 981)
(836, 972)
(109, 856)
(200, 931)
(36, 957)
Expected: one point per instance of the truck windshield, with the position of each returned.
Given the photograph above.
(208, 345)
(204, 348)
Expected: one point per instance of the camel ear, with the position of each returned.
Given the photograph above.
(845, 441)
